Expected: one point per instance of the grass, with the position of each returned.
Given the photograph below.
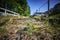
(30, 25)
(55, 16)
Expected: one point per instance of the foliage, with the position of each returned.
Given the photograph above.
(20, 6)
(55, 16)
(55, 10)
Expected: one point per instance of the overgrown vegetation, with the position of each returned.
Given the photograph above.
(31, 28)
(10, 24)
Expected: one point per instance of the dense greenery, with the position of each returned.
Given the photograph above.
(20, 6)
(55, 10)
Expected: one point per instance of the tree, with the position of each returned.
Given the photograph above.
(56, 9)
(20, 6)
